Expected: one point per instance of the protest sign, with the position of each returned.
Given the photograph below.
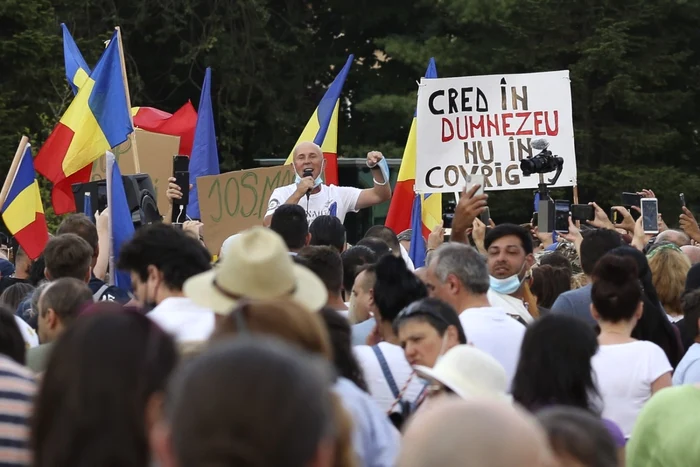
(156, 153)
(485, 124)
(234, 201)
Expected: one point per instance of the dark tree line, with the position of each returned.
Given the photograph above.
(634, 65)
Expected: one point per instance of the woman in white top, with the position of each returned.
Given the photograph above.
(628, 371)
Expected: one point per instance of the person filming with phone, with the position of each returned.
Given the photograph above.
(319, 199)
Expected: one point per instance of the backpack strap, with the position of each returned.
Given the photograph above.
(97, 295)
(387, 372)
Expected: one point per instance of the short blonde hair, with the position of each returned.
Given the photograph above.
(669, 269)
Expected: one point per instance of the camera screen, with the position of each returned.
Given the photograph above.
(561, 219)
(650, 211)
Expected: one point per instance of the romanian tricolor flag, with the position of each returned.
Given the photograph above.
(97, 120)
(322, 128)
(22, 210)
(405, 204)
(182, 123)
(77, 70)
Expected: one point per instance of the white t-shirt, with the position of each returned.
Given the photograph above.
(400, 370)
(511, 305)
(492, 330)
(624, 374)
(331, 199)
(183, 319)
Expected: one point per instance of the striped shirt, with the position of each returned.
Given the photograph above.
(17, 389)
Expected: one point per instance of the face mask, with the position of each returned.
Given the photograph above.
(317, 182)
(508, 285)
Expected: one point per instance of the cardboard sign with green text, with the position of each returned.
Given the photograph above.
(155, 152)
(234, 201)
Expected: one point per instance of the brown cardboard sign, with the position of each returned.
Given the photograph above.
(155, 153)
(234, 201)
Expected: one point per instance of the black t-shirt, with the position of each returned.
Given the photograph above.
(109, 293)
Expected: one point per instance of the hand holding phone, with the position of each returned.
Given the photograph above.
(561, 216)
(650, 215)
(182, 179)
(631, 199)
(682, 198)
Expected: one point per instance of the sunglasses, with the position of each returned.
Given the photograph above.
(416, 309)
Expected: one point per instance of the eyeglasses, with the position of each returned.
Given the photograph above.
(417, 309)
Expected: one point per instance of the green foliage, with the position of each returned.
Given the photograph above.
(634, 65)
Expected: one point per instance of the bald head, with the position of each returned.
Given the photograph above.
(692, 252)
(673, 236)
(308, 156)
(487, 433)
(307, 147)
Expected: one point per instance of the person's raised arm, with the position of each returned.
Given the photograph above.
(381, 191)
(468, 208)
(102, 263)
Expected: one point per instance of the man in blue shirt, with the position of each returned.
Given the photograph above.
(596, 244)
(80, 225)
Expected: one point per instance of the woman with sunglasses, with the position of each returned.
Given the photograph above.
(427, 329)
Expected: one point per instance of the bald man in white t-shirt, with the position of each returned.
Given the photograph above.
(324, 199)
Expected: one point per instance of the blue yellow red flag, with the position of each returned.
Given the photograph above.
(22, 210)
(322, 127)
(407, 207)
(97, 120)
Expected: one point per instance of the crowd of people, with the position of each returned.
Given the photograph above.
(510, 347)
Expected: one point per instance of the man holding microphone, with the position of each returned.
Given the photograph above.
(319, 199)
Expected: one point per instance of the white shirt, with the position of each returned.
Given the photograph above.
(492, 330)
(400, 370)
(624, 374)
(407, 259)
(181, 317)
(340, 199)
(28, 333)
(511, 305)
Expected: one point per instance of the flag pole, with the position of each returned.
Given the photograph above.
(108, 180)
(132, 136)
(13, 169)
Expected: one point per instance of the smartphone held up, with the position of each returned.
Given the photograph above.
(650, 215)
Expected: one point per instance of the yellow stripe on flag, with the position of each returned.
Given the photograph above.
(432, 210)
(87, 134)
(80, 78)
(407, 171)
(22, 211)
(330, 143)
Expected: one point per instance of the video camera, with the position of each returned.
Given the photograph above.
(542, 163)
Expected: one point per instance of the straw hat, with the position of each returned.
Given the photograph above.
(468, 372)
(256, 266)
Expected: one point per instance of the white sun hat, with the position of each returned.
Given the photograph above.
(468, 372)
(256, 266)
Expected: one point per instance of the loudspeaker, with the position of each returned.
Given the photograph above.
(140, 197)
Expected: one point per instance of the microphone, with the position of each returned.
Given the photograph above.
(308, 172)
(539, 144)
